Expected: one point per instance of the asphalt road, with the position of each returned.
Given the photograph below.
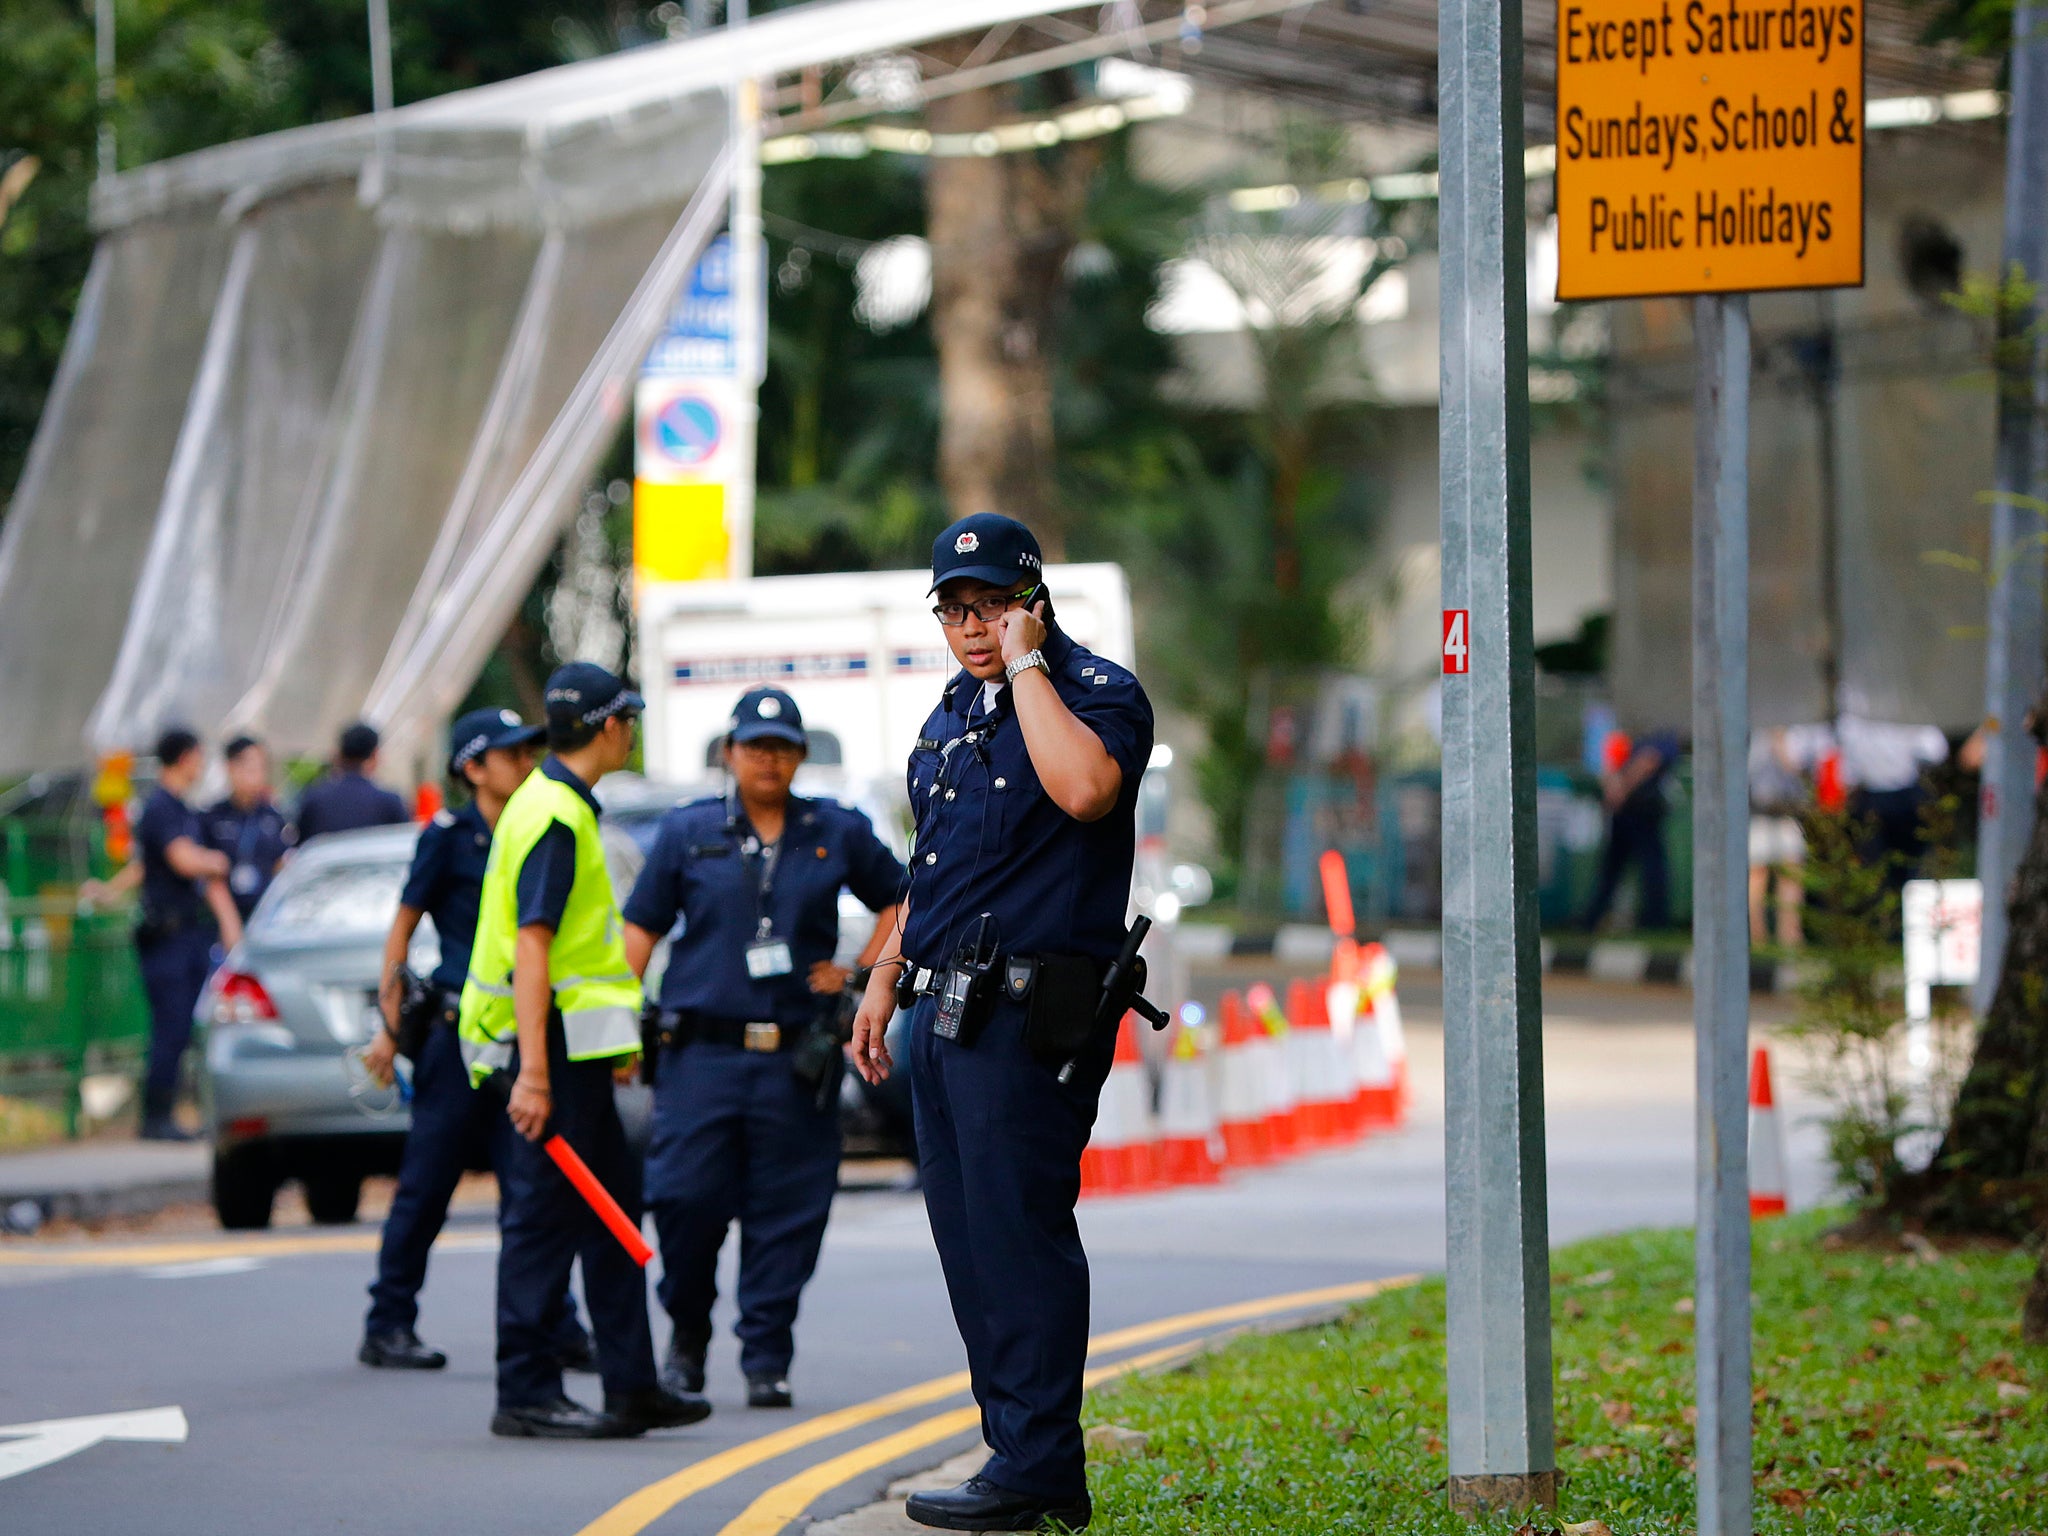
(252, 1336)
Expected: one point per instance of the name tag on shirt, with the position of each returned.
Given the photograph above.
(244, 878)
(768, 957)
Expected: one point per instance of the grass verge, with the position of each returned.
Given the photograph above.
(1893, 1396)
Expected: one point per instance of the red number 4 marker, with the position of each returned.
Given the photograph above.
(1457, 642)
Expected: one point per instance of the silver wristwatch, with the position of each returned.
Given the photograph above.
(1024, 663)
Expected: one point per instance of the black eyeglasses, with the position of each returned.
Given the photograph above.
(986, 609)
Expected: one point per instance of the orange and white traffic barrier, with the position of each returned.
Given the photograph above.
(1190, 1136)
(1382, 1063)
(1122, 1154)
(1242, 1110)
(1283, 1109)
(1342, 1000)
(1766, 1142)
(1321, 1084)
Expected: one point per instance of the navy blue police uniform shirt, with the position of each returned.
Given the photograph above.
(254, 840)
(989, 838)
(169, 899)
(346, 802)
(549, 873)
(446, 882)
(697, 871)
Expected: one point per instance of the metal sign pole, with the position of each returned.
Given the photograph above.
(1502, 1446)
(1720, 908)
(2013, 655)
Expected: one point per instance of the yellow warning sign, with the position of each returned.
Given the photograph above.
(1708, 146)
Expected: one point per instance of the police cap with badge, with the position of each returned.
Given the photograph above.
(582, 694)
(767, 714)
(486, 730)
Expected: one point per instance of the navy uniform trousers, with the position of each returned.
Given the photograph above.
(739, 1137)
(451, 1122)
(174, 969)
(999, 1142)
(545, 1227)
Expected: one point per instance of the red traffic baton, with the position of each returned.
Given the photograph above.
(578, 1173)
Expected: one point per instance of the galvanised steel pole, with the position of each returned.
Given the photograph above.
(2013, 653)
(1720, 909)
(1502, 1444)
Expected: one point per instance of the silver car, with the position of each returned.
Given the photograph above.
(299, 993)
(279, 1019)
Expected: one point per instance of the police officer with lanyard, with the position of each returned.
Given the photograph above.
(550, 1002)
(247, 826)
(492, 756)
(746, 1113)
(1024, 784)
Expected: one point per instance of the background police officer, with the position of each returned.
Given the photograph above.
(550, 1000)
(491, 755)
(247, 826)
(186, 911)
(344, 799)
(740, 1130)
(1025, 784)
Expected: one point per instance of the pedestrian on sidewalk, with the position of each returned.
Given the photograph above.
(746, 1085)
(451, 1121)
(1025, 782)
(1633, 794)
(551, 1002)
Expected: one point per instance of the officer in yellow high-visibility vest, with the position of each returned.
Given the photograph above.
(551, 1001)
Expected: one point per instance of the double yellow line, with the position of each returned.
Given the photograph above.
(787, 1500)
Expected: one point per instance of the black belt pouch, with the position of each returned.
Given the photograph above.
(1060, 1008)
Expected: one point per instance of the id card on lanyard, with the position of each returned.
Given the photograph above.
(768, 956)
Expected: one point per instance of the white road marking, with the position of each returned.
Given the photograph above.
(28, 1446)
(199, 1268)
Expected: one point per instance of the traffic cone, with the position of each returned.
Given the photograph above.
(1122, 1151)
(1389, 1104)
(1766, 1142)
(1319, 1084)
(1341, 1000)
(1190, 1142)
(1283, 1110)
(1247, 1138)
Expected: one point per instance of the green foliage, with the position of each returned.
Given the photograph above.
(1892, 1395)
(1851, 1014)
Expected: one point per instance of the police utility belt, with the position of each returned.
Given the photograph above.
(813, 1047)
(680, 1026)
(1069, 1000)
(424, 1006)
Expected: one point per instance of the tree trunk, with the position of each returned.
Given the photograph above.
(1001, 227)
(1995, 1150)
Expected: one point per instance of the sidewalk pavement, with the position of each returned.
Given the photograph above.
(95, 1180)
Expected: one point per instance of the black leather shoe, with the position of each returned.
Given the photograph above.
(563, 1419)
(399, 1350)
(656, 1408)
(768, 1392)
(979, 1505)
(683, 1371)
(166, 1129)
(577, 1353)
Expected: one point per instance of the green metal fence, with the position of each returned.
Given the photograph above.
(48, 856)
(71, 1001)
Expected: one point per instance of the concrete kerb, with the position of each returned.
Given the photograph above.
(885, 1516)
(99, 1181)
(1421, 949)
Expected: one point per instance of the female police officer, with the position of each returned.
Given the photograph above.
(1025, 785)
(746, 1121)
(491, 752)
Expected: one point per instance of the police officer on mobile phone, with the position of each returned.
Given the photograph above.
(746, 1084)
(490, 755)
(1024, 787)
